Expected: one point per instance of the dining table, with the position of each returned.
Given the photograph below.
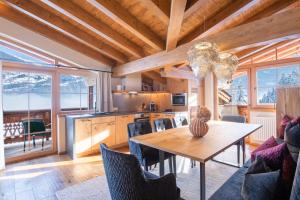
(179, 141)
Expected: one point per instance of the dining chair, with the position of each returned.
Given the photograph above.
(237, 119)
(147, 156)
(127, 181)
(36, 128)
(162, 125)
(179, 121)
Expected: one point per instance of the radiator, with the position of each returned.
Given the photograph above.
(268, 122)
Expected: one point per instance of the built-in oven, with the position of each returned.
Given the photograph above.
(179, 99)
(141, 117)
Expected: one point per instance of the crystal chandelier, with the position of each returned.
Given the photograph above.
(204, 57)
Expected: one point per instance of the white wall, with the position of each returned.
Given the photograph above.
(2, 160)
(16, 32)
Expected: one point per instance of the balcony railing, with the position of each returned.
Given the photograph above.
(13, 127)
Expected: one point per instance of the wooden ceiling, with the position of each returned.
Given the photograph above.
(116, 32)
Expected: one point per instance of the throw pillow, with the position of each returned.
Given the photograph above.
(292, 138)
(271, 142)
(258, 166)
(283, 123)
(273, 156)
(288, 173)
(261, 186)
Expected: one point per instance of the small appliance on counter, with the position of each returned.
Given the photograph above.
(179, 99)
(152, 107)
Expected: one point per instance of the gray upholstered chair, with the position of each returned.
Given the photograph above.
(237, 119)
(147, 156)
(127, 181)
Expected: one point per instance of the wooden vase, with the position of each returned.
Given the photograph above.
(198, 127)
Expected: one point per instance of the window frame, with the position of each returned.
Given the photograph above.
(74, 72)
(247, 72)
(254, 71)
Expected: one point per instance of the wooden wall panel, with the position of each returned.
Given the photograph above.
(288, 103)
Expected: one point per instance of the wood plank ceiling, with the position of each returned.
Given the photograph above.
(116, 32)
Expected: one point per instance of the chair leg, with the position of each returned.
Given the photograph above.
(170, 165)
(174, 165)
(43, 143)
(33, 140)
(24, 143)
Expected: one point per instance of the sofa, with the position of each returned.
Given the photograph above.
(231, 189)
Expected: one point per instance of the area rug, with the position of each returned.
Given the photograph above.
(187, 180)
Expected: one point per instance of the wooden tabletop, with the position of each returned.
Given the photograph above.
(180, 141)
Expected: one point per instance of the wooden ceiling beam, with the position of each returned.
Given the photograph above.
(155, 76)
(275, 28)
(243, 53)
(282, 50)
(120, 15)
(234, 9)
(229, 10)
(78, 14)
(156, 10)
(274, 8)
(164, 6)
(18, 17)
(173, 72)
(176, 18)
(266, 49)
(192, 9)
(58, 23)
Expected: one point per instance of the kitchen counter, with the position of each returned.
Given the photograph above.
(85, 132)
(107, 114)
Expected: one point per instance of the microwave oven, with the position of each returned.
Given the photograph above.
(179, 99)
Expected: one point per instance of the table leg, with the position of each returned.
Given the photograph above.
(161, 163)
(202, 181)
(244, 150)
(238, 152)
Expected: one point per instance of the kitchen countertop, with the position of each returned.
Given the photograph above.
(108, 114)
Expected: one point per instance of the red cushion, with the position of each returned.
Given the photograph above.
(271, 142)
(284, 121)
(288, 171)
(273, 156)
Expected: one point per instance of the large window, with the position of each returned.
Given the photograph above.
(23, 91)
(267, 80)
(9, 54)
(235, 93)
(77, 92)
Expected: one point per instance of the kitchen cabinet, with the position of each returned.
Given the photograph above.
(121, 128)
(83, 132)
(103, 133)
(87, 134)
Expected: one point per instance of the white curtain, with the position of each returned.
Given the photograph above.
(104, 93)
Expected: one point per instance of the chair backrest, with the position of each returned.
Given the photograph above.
(162, 124)
(124, 175)
(139, 128)
(36, 125)
(234, 118)
(180, 121)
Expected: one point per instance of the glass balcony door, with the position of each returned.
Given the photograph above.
(27, 113)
